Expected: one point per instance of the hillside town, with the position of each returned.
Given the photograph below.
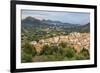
(75, 39)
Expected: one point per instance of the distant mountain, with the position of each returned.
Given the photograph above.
(52, 22)
(59, 23)
(85, 27)
(31, 22)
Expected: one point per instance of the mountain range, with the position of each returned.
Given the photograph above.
(31, 22)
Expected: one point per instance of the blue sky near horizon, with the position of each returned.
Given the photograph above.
(65, 17)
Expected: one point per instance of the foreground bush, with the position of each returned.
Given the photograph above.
(53, 52)
(27, 52)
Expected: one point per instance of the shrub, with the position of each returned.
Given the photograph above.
(46, 50)
(28, 52)
(63, 45)
(27, 48)
(79, 57)
(26, 57)
(70, 52)
(34, 52)
(83, 55)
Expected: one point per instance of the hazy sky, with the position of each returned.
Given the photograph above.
(66, 17)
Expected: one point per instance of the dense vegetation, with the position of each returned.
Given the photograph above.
(59, 52)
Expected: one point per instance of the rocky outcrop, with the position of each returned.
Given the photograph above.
(76, 40)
